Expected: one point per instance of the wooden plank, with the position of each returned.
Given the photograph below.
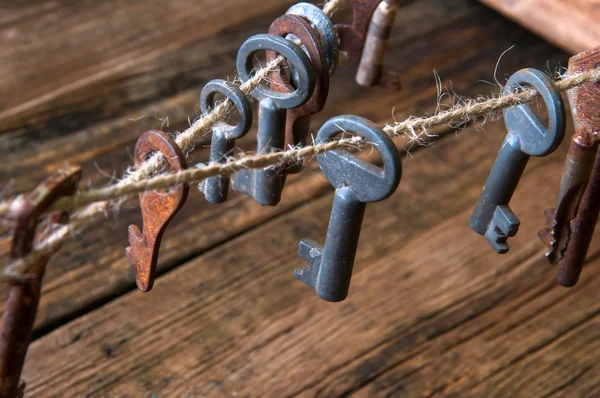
(66, 64)
(570, 24)
(91, 268)
(431, 304)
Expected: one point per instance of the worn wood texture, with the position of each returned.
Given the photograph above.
(570, 24)
(91, 269)
(432, 311)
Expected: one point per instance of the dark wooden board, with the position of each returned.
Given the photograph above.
(432, 307)
(433, 311)
(91, 268)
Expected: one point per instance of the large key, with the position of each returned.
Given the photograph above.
(356, 183)
(224, 135)
(527, 136)
(265, 185)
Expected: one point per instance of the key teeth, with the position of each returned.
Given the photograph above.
(504, 224)
(311, 252)
(548, 236)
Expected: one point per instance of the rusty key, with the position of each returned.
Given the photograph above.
(158, 208)
(370, 69)
(298, 119)
(21, 307)
(352, 36)
(571, 225)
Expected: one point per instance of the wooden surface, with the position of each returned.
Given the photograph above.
(570, 24)
(433, 311)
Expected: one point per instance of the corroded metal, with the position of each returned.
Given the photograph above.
(352, 36)
(298, 119)
(492, 216)
(158, 208)
(370, 70)
(571, 225)
(23, 300)
(356, 183)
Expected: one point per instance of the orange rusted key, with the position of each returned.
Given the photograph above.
(158, 208)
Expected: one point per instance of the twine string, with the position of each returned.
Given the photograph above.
(144, 178)
(458, 114)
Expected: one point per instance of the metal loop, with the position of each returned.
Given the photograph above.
(324, 27)
(239, 100)
(366, 182)
(293, 53)
(523, 124)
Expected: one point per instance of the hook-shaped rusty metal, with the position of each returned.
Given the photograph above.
(158, 208)
(21, 307)
(571, 226)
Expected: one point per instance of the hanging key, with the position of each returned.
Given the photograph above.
(265, 185)
(297, 124)
(158, 208)
(492, 217)
(571, 225)
(324, 28)
(215, 188)
(357, 183)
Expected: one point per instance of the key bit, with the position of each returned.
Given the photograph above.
(526, 137)
(357, 183)
(504, 224)
(571, 226)
(158, 208)
(576, 174)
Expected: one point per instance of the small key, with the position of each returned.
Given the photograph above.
(297, 124)
(492, 217)
(357, 183)
(265, 185)
(325, 29)
(215, 188)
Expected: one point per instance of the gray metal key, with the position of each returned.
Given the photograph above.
(357, 183)
(265, 185)
(215, 188)
(527, 136)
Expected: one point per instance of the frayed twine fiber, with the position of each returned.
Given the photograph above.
(185, 141)
(466, 112)
(458, 114)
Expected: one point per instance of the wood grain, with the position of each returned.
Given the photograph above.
(428, 311)
(570, 24)
(433, 311)
(92, 270)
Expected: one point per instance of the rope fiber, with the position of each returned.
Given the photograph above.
(143, 178)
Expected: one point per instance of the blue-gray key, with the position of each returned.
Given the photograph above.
(265, 185)
(527, 136)
(356, 183)
(215, 188)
